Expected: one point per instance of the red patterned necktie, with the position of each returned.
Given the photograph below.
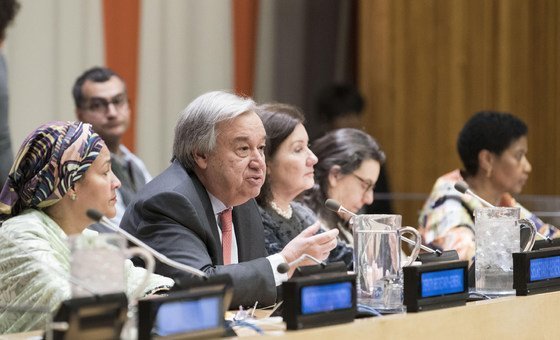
(225, 220)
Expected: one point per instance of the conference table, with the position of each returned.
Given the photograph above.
(513, 317)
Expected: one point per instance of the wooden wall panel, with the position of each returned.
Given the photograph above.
(425, 66)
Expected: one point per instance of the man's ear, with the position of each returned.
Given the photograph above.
(334, 175)
(201, 159)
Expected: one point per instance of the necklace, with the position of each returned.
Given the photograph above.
(287, 214)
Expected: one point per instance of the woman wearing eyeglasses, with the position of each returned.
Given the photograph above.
(348, 168)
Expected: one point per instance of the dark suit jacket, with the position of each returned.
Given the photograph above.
(173, 214)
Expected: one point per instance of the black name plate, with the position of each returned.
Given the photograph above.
(435, 285)
(319, 300)
(184, 314)
(536, 271)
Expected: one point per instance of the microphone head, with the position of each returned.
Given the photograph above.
(94, 215)
(462, 187)
(332, 205)
(283, 268)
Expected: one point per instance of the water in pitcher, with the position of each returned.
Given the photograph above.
(385, 294)
(377, 261)
(494, 263)
(379, 278)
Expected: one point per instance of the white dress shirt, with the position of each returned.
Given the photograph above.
(275, 260)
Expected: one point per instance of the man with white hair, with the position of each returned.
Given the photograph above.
(201, 210)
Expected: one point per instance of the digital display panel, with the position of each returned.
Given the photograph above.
(544, 268)
(188, 316)
(326, 297)
(442, 282)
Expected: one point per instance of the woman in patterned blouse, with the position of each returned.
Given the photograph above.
(493, 149)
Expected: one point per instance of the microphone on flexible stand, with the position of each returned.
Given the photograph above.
(285, 267)
(100, 218)
(334, 205)
(463, 188)
(321, 267)
(195, 279)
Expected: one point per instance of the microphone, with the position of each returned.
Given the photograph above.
(100, 218)
(463, 188)
(334, 205)
(285, 267)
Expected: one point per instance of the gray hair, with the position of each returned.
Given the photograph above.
(196, 128)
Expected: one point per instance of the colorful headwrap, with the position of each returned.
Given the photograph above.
(51, 159)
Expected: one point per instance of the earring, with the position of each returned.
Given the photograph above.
(73, 196)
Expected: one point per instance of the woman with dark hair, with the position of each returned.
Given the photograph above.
(348, 168)
(289, 167)
(61, 170)
(493, 148)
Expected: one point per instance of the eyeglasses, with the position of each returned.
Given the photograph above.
(366, 184)
(101, 105)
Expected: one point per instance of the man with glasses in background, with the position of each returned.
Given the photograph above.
(101, 100)
(8, 10)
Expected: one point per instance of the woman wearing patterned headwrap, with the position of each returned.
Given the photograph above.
(61, 170)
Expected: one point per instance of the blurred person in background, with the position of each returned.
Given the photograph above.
(341, 106)
(8, 10)
(100, 99)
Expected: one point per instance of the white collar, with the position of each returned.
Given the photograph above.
(217, 205)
